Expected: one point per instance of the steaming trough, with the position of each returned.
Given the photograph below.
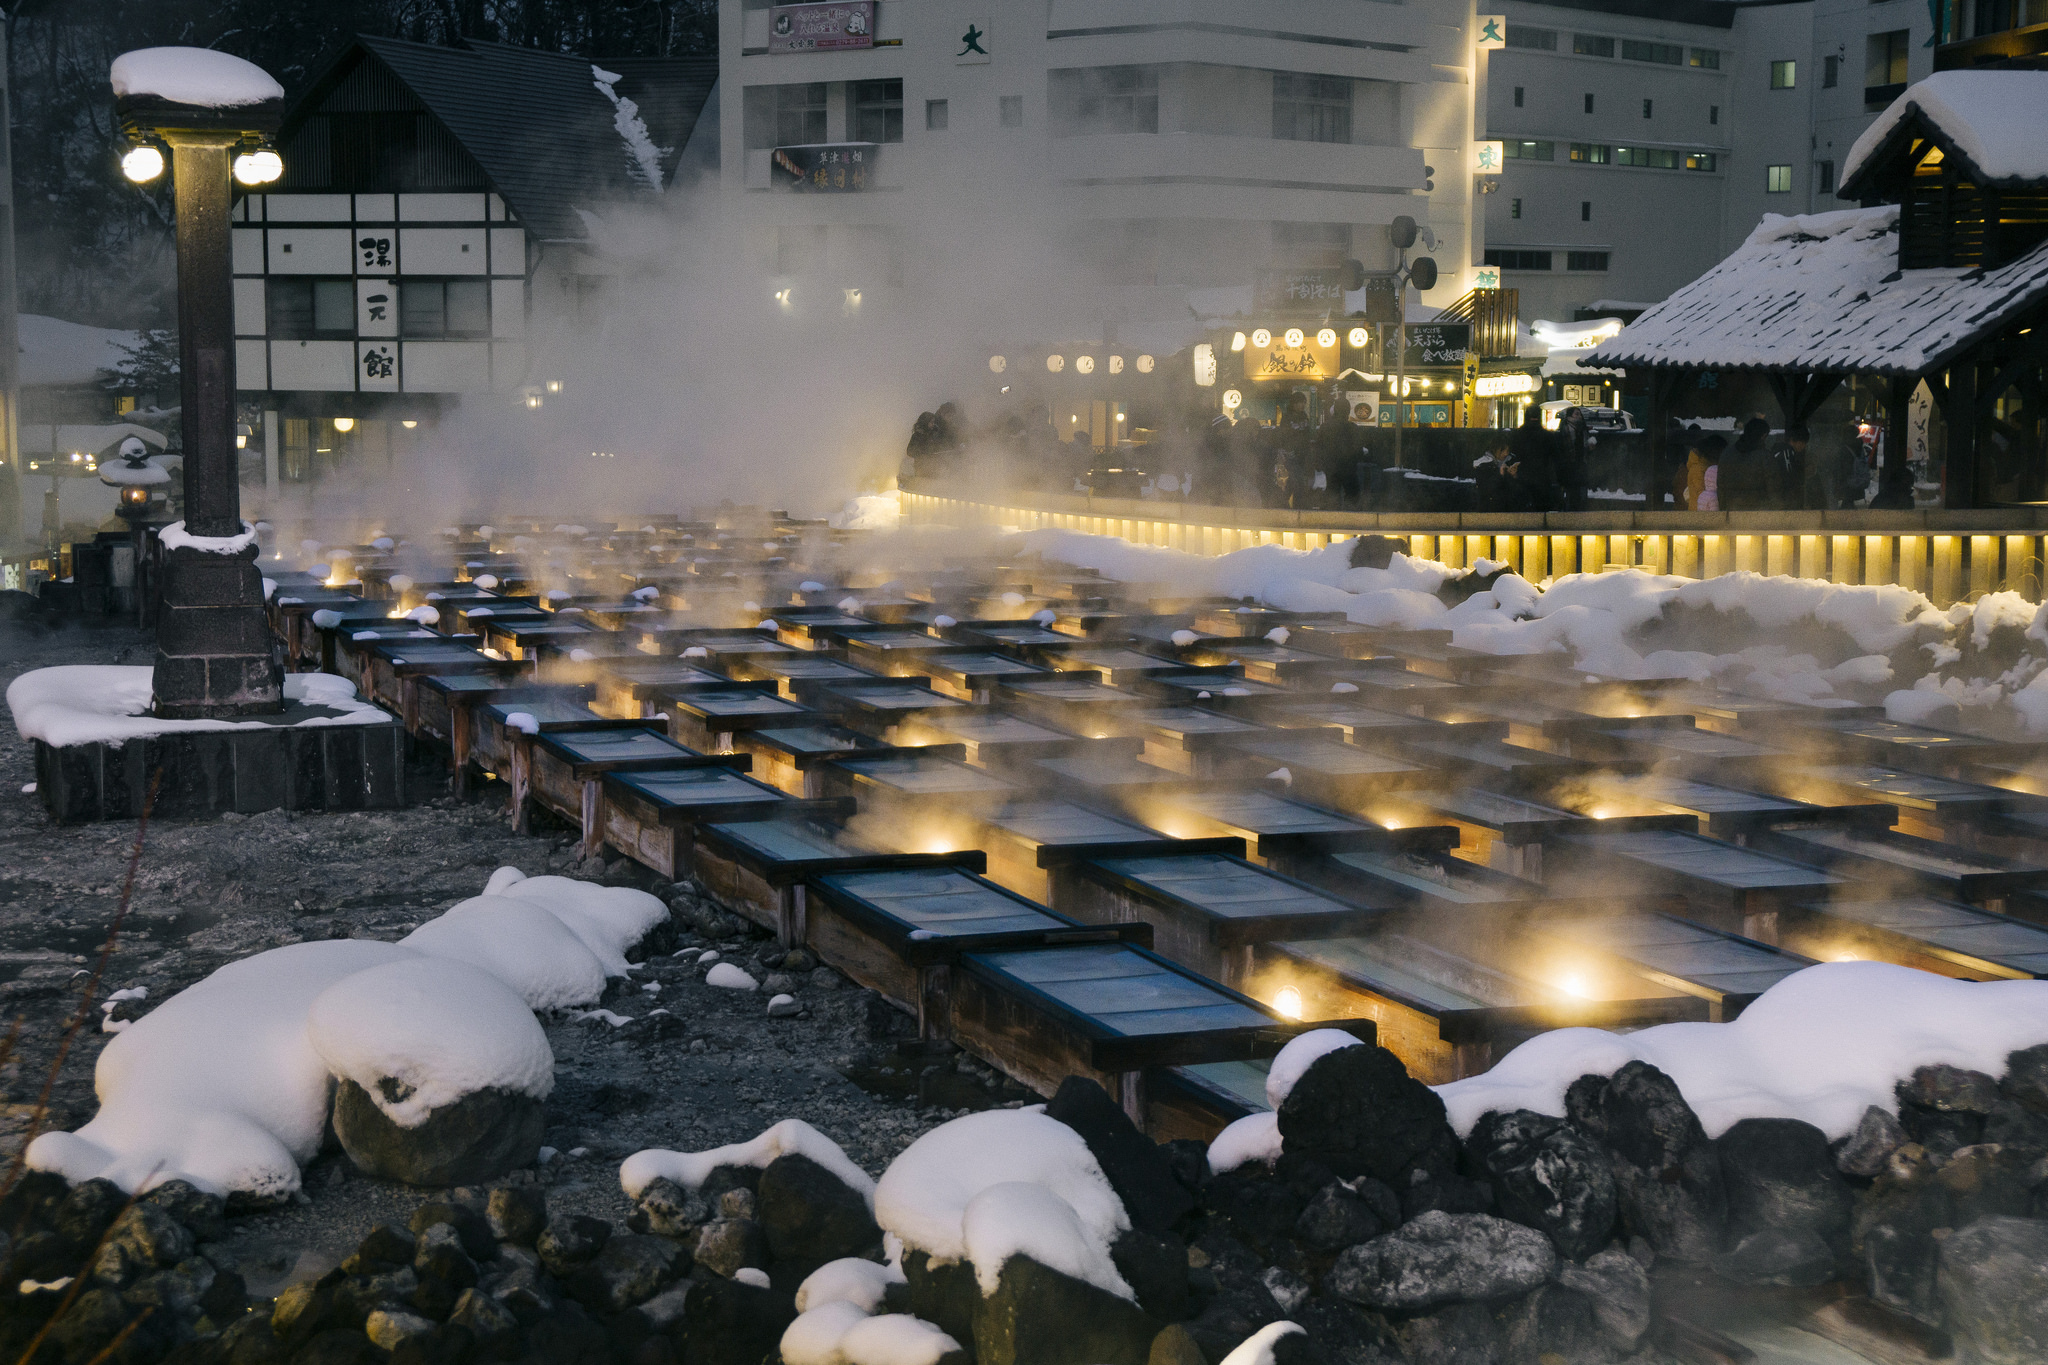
(1095, 814)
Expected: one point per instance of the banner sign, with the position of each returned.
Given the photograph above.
(821, 28)
(825, 167)
(1314, 289)
(1429, 344)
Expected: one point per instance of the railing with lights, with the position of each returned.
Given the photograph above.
(1950, 556)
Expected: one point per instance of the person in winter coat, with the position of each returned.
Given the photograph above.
(1534, 450)
(1710, 498)
(1702, 467)
(1288, 448)
(1749, 471)
(1572, 476)
(1336, 450)
(1495, 487)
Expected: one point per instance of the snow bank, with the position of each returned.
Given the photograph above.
(1255, 1137)
(226, 1084)
(109, 703)
(1822, 1045)
(1258, 1348)
(608, 919)
(895, 1339)
(193, 75)
(1019, 1218)
(789, 1137)
(852, 1280)
(924, 1196)
(814, 1338)
(1294, 1059)
(441, 1029)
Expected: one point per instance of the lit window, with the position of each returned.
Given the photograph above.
(1784, 75)
(1778, 179)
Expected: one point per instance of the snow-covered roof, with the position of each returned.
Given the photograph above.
(54, 351)
(551, 132)
(1823, 292)
(39, 438)
(193, 75)
(1991, 119)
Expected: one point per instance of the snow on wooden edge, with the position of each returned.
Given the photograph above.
(109, 704)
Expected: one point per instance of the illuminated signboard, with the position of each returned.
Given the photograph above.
(1501, 385)
(1293, 354)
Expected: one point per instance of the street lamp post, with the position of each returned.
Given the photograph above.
(214, 656)
(1420, 272)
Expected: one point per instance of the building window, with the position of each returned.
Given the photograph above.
(1529, 151)
(1585, 210)
(800, 114)
(1589, 101)
(306, 308)
(1713, 113)
(1824, 177)
(1777, 179)
(1311, 108)
(1509, 259)
(1830, 71)
(1107, 99)
(1784, 75)
(1518, 97)
(1884, 64)
(1592, 153)
(1514, 208)
(1589, 45)
(1538, 39)
(878, 111)
(1706, 58)
(1699, 161)
(1646, 108)
(444, 308)
(1635, 50)
(1657, 158)
(1010, 111)
(297, 464)
(1585, 260)
(936, 116)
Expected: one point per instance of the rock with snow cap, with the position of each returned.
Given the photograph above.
(1358, 1111)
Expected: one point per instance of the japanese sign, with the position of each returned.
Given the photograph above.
(1493, 32)
(1466, 391)
(821, 28)
(1312, 289)
(373, 253)
(1486, 277)
(1486, 158)
(973, 46)
(376, 308)
(1429, 344)
(825, 167)
(1292, 354)
(377, 365)
(1417, 414)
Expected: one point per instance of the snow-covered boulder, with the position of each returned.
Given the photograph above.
(442, 1071)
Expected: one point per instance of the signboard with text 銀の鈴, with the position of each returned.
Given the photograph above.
(1292, 353)
(1429, 344)
(826, 167)
(821, 28)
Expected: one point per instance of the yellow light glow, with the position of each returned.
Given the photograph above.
(1084, 364)
(1573, 985)
(1237, 341)
(1262, 338)
(1846, 956)
(533, 400)
(408, 423)
(142, 164)
(1600, 812)
(1357, 337)
(554, 386)
(1288, 1002)
(344, 424)
(782, 296)
(1295, 336)
(1055, 363)
(1232, 399)
(258, 168)
(1116, 364)
(1327, 337)
(1145, 364)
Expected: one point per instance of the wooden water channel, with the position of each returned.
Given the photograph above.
(1081, 827)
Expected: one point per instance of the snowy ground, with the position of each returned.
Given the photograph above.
(210, 892)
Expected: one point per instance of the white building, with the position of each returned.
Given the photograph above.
(1646, 138)
(427, 227)
(1149, 147)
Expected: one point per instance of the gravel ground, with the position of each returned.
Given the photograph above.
(715, 1069)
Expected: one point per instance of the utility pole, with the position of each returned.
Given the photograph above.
(1421, 272)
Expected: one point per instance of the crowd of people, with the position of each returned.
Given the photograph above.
(1337, 463)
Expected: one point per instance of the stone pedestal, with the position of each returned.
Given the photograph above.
(215, 655)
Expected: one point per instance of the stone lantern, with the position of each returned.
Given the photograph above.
(215, 656)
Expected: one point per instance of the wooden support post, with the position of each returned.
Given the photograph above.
(1895, 479)
(1960, 417)
(521, 776)
(593, 818)
(1131, 1094)
(935, 1002)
